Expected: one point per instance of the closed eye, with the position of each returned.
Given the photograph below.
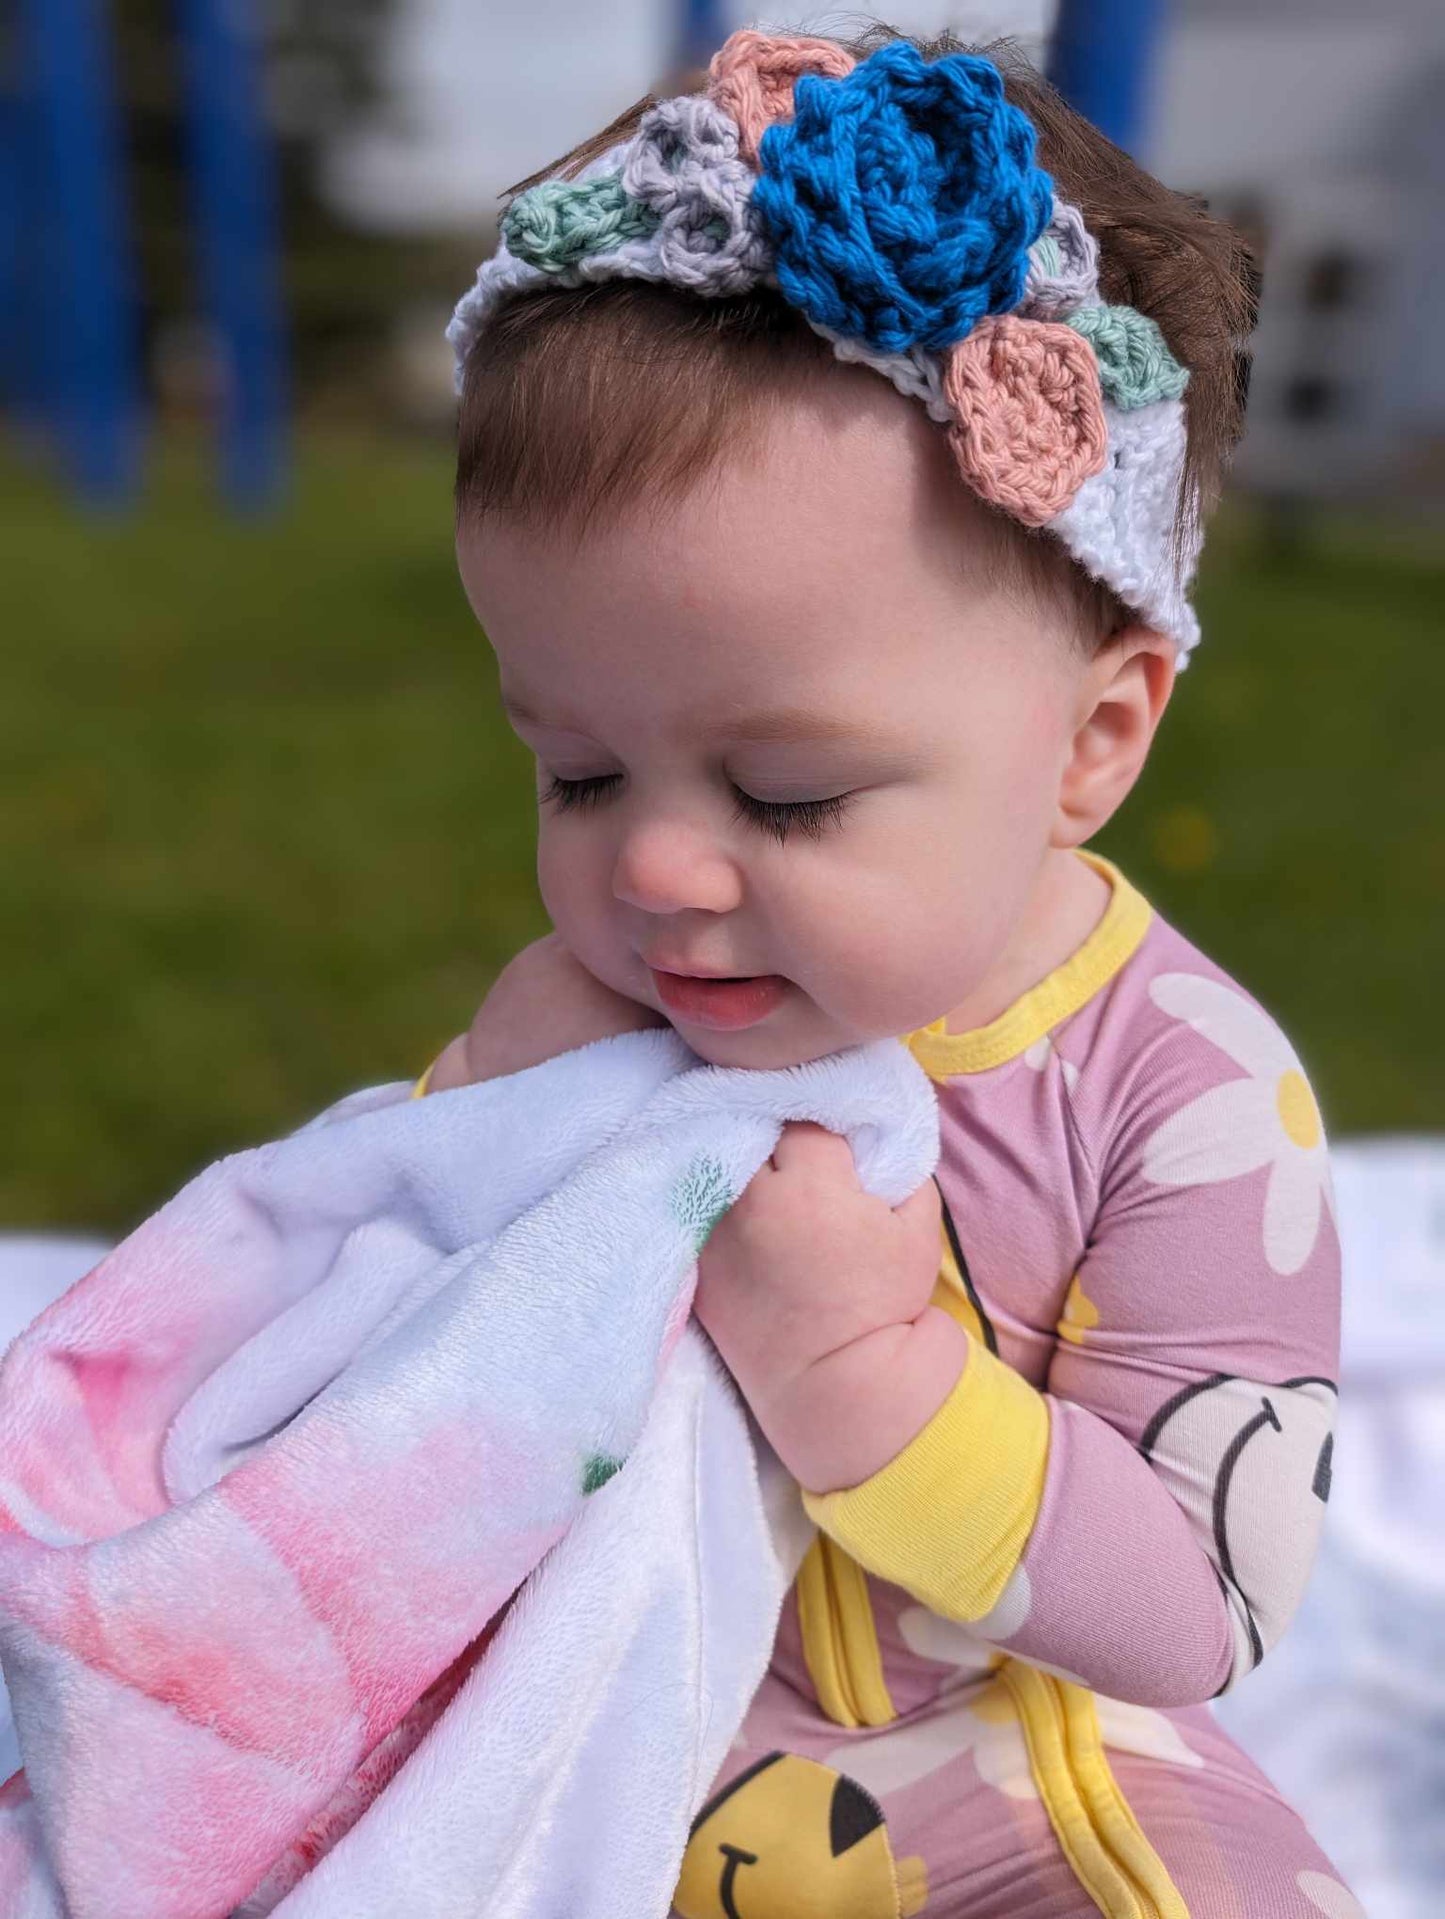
(778, 818)
(566, 794)
(811, 818)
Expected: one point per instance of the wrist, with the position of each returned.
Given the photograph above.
(846, 1415)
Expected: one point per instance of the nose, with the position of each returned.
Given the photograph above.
(668, 866)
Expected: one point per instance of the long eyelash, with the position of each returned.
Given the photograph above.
(811, 818)
(778, 818)
(567, 794)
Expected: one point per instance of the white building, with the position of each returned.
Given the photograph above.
(1317, 126)
(487, 91)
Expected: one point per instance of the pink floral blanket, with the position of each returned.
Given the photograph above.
(376, 1535)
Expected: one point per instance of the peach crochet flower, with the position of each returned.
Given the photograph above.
(751, 78)
(1028, 415)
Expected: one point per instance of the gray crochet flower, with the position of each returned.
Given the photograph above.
(684, 165)
(1063, 267)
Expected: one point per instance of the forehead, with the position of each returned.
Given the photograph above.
(825, 561)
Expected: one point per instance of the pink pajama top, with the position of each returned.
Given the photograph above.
(1127, 1484)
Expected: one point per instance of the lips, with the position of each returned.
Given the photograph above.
(726, 1005)
(686, 969)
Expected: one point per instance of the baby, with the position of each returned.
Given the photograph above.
(830, 678)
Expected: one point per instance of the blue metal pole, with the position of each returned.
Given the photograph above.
(89, 382)
(234, 197)
(29, 304)
(703, 30)
(15, 347)
(1101, 59)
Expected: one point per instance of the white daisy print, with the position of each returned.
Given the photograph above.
(1269, 1118)
(1329, 1896)
(985, 1724)
(973, 1649)
(987, 1727)
(1039, 1054)
(1124, 1727)
(949, 1642)
(1142, 1730)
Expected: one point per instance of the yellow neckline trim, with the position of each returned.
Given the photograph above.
(1113, 941)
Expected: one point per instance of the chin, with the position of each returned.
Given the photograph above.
(756, 1047)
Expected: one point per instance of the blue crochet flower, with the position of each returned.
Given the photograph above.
(902, 200)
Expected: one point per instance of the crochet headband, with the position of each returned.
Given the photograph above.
(896, 203)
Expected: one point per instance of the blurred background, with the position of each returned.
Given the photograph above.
(264, 835)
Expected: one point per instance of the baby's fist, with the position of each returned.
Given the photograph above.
(813, 1291)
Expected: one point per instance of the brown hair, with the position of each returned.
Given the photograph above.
(577, 402)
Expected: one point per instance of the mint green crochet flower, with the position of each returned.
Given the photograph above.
(556, 224)
(1135, 366)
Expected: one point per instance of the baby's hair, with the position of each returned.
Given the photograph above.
(579, 402)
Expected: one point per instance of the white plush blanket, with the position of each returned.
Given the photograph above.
(377, 1535)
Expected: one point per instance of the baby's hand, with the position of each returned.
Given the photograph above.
(542, 1003)
(816, 1294)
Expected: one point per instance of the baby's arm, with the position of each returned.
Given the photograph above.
(1146, 1524)
(543, 1002)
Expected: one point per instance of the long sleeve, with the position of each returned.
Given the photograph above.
(1144, 1520)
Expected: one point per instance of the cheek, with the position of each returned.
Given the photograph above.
(920, 903)
(878, 932)
(573, 870)
(1003, 803)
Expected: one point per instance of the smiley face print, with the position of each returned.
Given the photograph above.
(1250, 1466)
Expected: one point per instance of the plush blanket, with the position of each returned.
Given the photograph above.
(377, 1535)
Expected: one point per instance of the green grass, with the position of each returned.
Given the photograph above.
(266, 838)
(1292, 818)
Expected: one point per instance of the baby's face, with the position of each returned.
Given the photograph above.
(798, 760)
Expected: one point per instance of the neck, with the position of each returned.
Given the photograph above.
(1067, 902)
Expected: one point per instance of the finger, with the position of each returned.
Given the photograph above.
(787, 1148)
(802, 1144)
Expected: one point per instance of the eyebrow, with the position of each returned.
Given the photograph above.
(798, 727)
(785, 726)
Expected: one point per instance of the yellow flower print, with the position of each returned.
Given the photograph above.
(1269, 1118)
(1080, 1315)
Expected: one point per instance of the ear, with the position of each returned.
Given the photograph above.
(1122, 698)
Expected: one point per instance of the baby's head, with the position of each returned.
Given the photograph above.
(826, 673)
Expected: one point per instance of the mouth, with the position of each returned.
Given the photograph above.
(725, 1005)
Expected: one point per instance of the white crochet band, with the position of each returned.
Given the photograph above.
(1123, 524)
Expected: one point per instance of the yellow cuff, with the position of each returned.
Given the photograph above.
(949, 1517)
(423, 1085)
